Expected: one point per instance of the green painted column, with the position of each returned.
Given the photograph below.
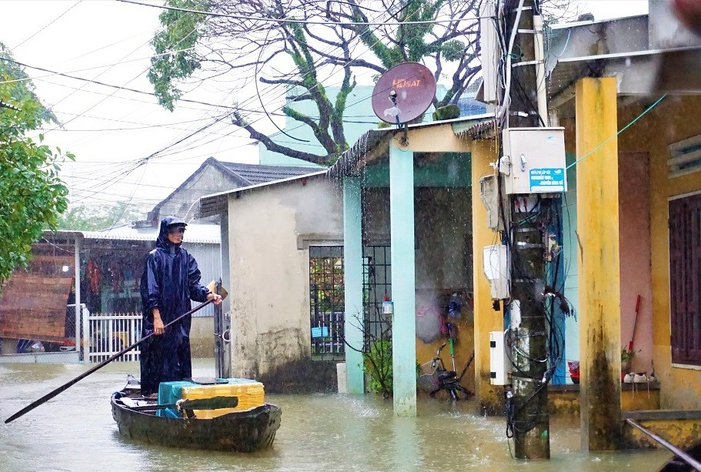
(353, 280)
(401, 196)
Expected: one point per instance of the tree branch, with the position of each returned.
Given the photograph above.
(271, 145)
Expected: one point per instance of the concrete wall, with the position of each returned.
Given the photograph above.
(634, 213)
(671, 121)
(270, 230)
(202, 337)
(209, 181)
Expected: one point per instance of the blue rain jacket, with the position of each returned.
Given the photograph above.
(170, 280)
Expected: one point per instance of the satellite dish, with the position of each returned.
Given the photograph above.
(403, 93)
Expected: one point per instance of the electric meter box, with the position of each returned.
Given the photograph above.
(498, 360)
(536, 160)
(496, 270)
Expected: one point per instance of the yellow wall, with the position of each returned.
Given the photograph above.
(438, 138)
(674, 119)
(463, 350)
(486, 319)
(682, 433)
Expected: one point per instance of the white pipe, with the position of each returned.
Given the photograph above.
(507, 89)
(76, 293)
(540, 69)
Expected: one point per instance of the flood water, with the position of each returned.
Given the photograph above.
(75, 432)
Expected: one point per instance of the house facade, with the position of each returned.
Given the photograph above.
(110, 264)
(629, 224)
(270, 231)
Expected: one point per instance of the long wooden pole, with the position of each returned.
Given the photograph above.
(681, 454)
(68, 384)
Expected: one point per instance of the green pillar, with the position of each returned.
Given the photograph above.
(401, 196)
(353, 280)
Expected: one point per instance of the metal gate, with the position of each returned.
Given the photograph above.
(326, 300)
(107, 334)
(377, 287)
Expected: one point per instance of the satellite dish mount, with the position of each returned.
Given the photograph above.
(410, 89)
(404, 140)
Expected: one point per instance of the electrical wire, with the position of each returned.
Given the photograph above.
(290, 20)
(123, 88)
(46, 25)
(631, 123)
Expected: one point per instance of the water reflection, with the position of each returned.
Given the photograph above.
(75, 432)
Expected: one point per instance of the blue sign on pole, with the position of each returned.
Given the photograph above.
(547, 179)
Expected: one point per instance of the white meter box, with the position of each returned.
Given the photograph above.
(537, 160)
(496, 269)
(498, 360)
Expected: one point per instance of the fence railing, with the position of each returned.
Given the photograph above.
(327, 334)
(108, 333)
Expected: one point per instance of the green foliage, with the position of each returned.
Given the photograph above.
(174, 45)
(447, 112)
(378, 363)
(627, 355)
(412, 40)
(326, 282)
(33, 195)
(453, 50)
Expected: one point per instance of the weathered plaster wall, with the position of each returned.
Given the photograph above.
(634, 213)
(202, 337)
(599, 263)
(269, 233)
(180, 204)
(672, 120)
(444, 265)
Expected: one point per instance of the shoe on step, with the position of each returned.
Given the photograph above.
(640, 378)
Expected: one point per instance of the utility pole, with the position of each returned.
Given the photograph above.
(530, 215)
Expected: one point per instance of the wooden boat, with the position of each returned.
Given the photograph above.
(239, 431)
(683, 461)
(681, 464)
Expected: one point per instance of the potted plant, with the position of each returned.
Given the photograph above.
(626, 360)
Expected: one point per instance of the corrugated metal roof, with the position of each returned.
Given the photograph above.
(346, 164)
(196, 233)
(371, 141)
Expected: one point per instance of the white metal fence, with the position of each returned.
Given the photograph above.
(105, 334)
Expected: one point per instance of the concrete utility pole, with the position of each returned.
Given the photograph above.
(529, 331)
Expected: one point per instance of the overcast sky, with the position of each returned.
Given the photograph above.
(110, 130)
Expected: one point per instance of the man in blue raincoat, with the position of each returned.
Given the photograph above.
(170, 280)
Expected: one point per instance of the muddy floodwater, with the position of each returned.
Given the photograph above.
(75, 432)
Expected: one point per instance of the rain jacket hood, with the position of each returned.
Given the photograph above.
(162, 240)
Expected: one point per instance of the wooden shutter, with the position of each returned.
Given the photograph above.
(685, 279)
(33, 301)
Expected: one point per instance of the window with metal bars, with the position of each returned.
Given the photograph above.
(685, 279)
(377, 287)
(327, 302)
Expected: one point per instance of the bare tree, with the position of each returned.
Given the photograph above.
(301, 48)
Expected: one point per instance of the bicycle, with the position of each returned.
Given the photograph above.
(435, 377)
